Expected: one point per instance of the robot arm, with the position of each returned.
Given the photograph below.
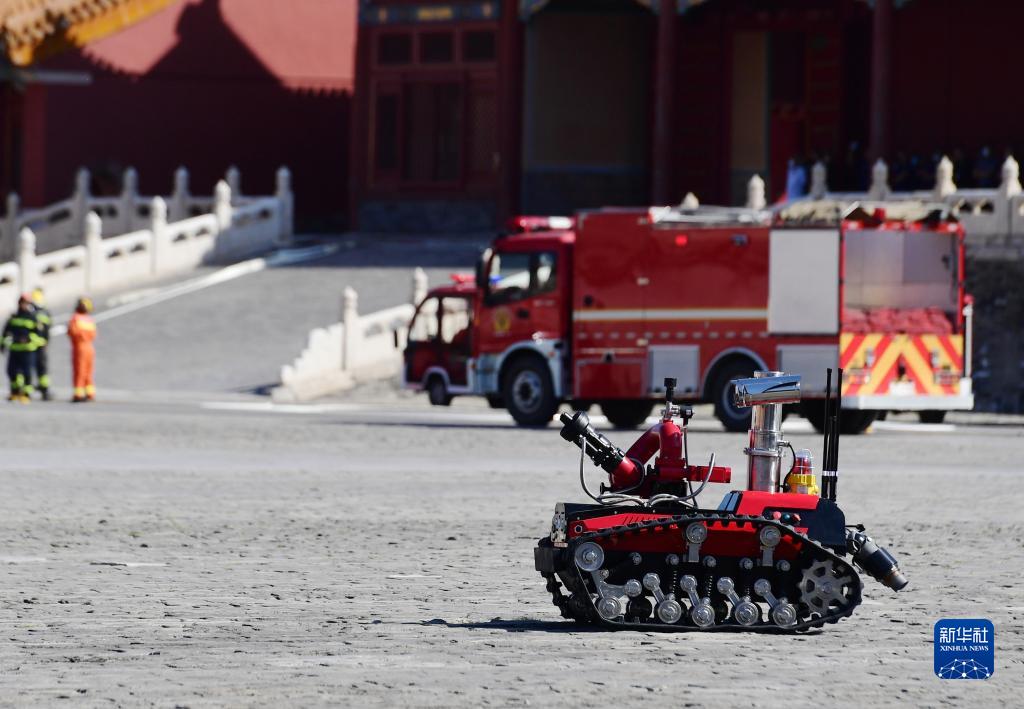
(624, 471)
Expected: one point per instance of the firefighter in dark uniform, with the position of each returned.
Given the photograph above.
(21, 339)
(43, 321)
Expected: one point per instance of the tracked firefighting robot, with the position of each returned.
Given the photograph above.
(775, 557)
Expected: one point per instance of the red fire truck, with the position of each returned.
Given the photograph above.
(600, 308)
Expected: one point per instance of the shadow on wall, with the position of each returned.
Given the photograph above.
(208, 103)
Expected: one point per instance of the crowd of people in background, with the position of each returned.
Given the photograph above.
(26, 340)
(908, 171)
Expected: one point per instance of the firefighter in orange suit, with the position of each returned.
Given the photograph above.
(82, 331)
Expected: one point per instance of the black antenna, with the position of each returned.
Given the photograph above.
(826, 449)
(834, 440)
(830, 446)
(830, 457)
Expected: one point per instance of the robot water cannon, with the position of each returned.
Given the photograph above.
(766, 393)
(663, 445)
(578, 430)
(775, 556)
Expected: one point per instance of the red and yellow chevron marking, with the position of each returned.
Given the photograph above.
(896, 354)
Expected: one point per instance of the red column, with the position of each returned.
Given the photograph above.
(510, 109)
(359, 126)
(33, 149)
(10, 110)
(881, 64)
(664, 88)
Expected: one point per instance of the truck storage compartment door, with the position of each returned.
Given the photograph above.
(708, 294)
(803, 282)
(679, 361)
(810, 362)
(901, 270)
(611, 378)
(609, 280)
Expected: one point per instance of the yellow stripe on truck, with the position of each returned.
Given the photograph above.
(883, 362)
(857, 360)
(922, 369)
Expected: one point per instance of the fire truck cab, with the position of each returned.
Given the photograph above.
(600, 308)
(515, 318)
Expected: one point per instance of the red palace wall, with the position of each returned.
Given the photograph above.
(205, 84)
(954, 75)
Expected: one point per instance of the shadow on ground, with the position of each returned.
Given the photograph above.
(521, 625)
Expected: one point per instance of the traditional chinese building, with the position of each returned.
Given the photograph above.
(470, 110)
(155, 84)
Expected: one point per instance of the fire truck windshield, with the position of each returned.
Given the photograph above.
(514, 276)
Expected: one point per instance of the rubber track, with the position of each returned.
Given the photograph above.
(820, 553)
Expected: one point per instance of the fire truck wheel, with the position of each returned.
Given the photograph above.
(856, 422)
(814, 411)
(732, 417)
(437, 393)
(627, 414)
(931, 416)
(528, 393)
(851, 422)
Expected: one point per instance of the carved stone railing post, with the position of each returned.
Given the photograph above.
(419, 285)
(1006, 196)
(1009, 184)
(879, 189)
(944, 185)
(234, 179)
(178, 207)
(351, 329)
(222, 204)
(28, 274)
(819, 180)
(94, 260)
(129, 195)
(157, 225)
(755, 193)
(79, 207)
(286, 204)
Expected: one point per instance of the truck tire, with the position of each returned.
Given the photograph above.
(437, 392)
(732, 417)
(528, 393)
(856, 422)
(932, 416)
(629, 413)
(850, 422)
(814, 411)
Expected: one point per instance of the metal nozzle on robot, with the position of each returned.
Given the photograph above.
(876, 560)
(765, 393)
(767, 388)
(578, 430)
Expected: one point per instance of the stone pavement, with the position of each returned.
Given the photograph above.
(174, 555)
